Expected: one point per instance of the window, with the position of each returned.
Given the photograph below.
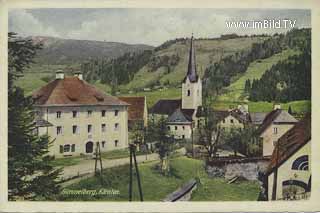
(74, 114)
(188, 92)
(275, 130)
(89, 113)
(103, 144)
(73, 148)
(61, 149)
(116, 112)
(183, 136)
(169, 128)
(103, 127)
(183, 127)
(59, 130)
(231, 121)
(66, 148)
(116, 143)
(103, 113)
(59, 114)
(116, 126)
(175, 127)
(74, 129)
(37, 113)
(224, 120)
(89, 128)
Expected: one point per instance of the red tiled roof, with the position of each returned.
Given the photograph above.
(72, 91)
(136, 107)
(291, 142)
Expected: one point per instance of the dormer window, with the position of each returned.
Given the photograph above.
(188, 92)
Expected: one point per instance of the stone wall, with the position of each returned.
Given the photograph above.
(248, 169)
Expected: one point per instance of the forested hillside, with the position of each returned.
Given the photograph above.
(288, 80)
(166, 64)
(222, 73)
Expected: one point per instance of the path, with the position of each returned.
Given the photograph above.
(87, 166)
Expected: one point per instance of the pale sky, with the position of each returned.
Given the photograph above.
(144, 26)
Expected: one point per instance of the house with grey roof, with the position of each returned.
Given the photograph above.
(275, 124)
(180, 124)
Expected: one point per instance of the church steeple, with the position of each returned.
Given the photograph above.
(192, 67)
(192, 85)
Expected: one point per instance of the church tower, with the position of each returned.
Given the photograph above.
(191, 85)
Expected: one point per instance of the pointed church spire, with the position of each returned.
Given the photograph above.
(192, 68)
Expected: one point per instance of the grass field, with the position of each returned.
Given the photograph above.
(154, 96)
(235, 92)
(261, 106)
(31, 81)
(156, 187)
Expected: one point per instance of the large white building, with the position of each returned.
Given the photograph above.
(77, 116)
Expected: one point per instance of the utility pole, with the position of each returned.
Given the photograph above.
(98, 157)
(192, 143)
(275, 175)
(132, 148)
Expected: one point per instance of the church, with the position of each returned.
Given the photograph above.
(181, 113)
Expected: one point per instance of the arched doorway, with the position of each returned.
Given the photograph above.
(89, 147)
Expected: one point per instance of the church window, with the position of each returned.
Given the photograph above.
(188, 92)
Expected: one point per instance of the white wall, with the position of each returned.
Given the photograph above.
(269, 136)
(182, 129)
(286, 173)
(195, 98)
(82, 120)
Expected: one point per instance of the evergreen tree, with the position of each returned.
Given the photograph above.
(30, 175)
(290, 110)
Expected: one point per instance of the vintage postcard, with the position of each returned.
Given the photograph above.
(137, 106)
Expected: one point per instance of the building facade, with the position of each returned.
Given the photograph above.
(289, 173)
(81, 117)
(275, 124)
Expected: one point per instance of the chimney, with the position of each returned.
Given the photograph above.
(276, 106)
(79, 75)
(59, 74)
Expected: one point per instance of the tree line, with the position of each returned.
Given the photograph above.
(221, 73)
(115, 71)
(288, 80)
